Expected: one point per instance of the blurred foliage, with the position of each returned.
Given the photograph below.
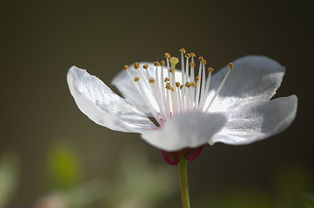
(289, 181)
(9, 167)
(139, 183)
(308, 200)
(64, 169)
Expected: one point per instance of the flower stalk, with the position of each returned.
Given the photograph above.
(183, 180)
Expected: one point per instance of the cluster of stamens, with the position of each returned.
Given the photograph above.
(166, 93)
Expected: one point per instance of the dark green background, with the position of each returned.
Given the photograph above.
(40, 40)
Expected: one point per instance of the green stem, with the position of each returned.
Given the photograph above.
(184, 186)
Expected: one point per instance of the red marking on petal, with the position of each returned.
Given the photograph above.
(172, 158)
(193, 153)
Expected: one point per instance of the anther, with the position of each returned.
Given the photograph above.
(203, 61)
(193, 84)
(187, 55)
(156, 63)
(197, 78)
(136, 79)
(200, 58)
(136, 65)
(181, 86)
(167, 55)
(231, 66)
(167, 79)
(162, 63)
(182, 50)
(210, 69)
(145, 66)
(171, 70)
(125, 67)
(187, 84)
(173, 61)
(151, 80)
(177, 84)
(192, 64)
(192, 54)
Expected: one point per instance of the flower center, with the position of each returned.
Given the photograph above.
(167, 92)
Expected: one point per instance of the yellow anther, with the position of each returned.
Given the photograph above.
(136, 65)
(171, 70)
(192, 64)
(182, 50)
(167, 87)
(187, 84)
(168, 84)
(192, 54)
(197, 78)
(187, 55)
(156, 63)
(210, 69)
(167, 55)
(173, 61)
(200, 58)
(181, 86)
(203, 61)
(163, 63)
(193, 84)
(167, 79)
(136, 79)
(171, 89)
(145, 66)
(231, 66)
(125, 67)
(151, 80)
(177, 84)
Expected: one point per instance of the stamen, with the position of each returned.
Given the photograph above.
(125, 67)
(220, 86)
(136, 65)
(151, 80)
(136, 79)
(145, 66)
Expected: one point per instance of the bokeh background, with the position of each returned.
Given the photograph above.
(52, 155)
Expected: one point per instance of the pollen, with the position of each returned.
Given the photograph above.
(145, 66)
(156, 63)
(182, 50)
(174, 61)
(136, 65)
(125, 67)
(171, 70)
(192, 54)
(167, 93)
(230, 66)
(210, 69)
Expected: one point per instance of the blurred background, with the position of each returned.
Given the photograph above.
(52, 156)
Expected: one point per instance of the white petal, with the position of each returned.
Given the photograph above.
(253, 77)
(124, 84)
(190, 129)
(104, 107)
(257, 120)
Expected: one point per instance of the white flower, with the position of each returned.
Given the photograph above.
(173, 110)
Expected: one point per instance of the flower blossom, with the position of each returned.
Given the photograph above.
(184, 110)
